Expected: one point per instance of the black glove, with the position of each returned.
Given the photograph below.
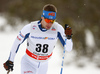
(8, 65)
(68, 31)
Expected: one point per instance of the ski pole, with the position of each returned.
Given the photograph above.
(63, 58)
(8, 71)
(63, 52)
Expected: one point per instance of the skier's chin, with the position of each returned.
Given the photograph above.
(48, 28)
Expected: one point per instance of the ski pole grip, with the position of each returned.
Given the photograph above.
(66, 26)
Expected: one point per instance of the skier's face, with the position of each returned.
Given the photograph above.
(46, 23)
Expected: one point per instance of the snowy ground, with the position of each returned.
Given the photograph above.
(6, 41)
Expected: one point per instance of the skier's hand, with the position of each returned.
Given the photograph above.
(8, 65)
(68, 31)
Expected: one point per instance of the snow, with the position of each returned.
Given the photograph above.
(3, 21)
(7, 39)
(70, 64)
(89, 38)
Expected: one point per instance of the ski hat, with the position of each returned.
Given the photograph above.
(49, 15)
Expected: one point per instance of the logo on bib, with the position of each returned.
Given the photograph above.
(34, 27)
(53, 29)
(49, 38)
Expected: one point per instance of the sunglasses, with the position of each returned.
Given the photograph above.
(49, 21)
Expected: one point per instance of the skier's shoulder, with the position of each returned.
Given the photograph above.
(28, 26)
(26, 29)
(34, 23)
(58, 26)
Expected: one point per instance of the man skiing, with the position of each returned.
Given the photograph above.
(41, 39)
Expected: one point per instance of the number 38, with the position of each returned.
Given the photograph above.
(39, 48)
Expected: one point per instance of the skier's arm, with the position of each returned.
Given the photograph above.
(23, 34)
(62, 37)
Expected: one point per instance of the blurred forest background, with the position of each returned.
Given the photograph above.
(82, 15)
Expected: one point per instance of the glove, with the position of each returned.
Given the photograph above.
(8, 65)
(68, 31)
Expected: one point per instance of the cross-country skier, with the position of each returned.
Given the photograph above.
(41, 39)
